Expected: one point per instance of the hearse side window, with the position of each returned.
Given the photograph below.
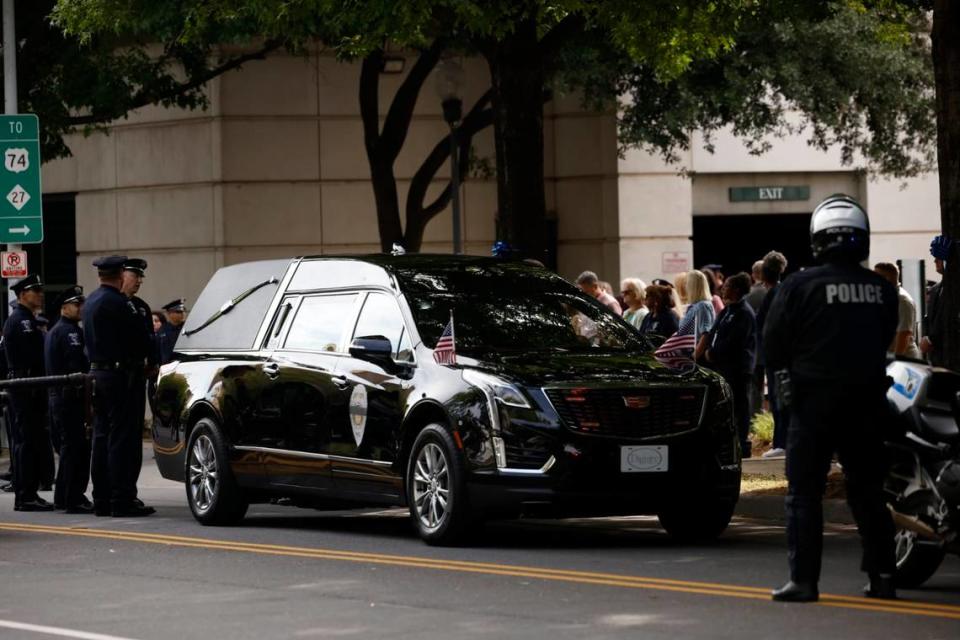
(320, 322)
(381, 317)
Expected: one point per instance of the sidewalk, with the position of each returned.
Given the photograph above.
(765, 467)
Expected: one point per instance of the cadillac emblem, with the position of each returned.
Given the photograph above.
(636, 402)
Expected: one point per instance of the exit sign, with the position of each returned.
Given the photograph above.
(773, 194)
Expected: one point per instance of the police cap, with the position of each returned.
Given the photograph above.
(70, 294)
(30, 282)
(179, 304)
(137, 265)
(110, 264)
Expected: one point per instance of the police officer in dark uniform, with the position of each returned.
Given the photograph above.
(826, 336)
(730, 349)
(134, 270)
(176, 315)
(23, 343)
(63, 355)
(117, 349)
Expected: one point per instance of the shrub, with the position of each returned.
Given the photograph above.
(762, 427)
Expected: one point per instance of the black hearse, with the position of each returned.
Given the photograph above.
(314, 381)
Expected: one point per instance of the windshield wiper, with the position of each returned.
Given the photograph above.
(230, 304)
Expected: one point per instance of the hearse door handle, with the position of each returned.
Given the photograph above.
(341, 382)
(272, 370)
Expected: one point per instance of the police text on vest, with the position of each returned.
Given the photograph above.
(854, 293)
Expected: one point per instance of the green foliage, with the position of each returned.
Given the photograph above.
(75, 84)
(848, 75)
(851, 73)
(762, 427)
(666, 34)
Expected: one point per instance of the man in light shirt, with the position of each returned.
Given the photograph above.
(904, 343)
(589, 283)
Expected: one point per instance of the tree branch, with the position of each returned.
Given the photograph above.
(418, 215)
(466, 132)
(397, 122)
(144, 98)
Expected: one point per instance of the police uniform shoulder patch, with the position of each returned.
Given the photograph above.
(358, 412)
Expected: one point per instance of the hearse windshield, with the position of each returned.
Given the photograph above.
(513, 309)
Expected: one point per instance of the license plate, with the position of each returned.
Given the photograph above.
(643, 459)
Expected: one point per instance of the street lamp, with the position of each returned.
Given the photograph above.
(449, 80)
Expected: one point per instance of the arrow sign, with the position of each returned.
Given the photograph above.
(24, 230)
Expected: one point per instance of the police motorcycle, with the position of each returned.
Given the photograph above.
(923, 483)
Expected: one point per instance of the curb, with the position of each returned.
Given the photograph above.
(771, 508)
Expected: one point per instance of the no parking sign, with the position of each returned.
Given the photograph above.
(14, 264)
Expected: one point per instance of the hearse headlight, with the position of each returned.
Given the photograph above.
(504, 392)
(726, 394)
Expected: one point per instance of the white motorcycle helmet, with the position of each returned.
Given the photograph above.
(840, 230)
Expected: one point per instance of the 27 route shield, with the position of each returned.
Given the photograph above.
(21, 210)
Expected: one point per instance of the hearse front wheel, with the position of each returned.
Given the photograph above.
(436, 487)
(212, 491)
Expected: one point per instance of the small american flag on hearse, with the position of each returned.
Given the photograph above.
(446, 350)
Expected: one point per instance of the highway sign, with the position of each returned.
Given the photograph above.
(13, 264)
(21, 211)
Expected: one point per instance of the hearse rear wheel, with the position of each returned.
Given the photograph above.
(700, 521)
(212, 491)
(436, 487)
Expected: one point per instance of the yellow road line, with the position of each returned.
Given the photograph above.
(519, 571)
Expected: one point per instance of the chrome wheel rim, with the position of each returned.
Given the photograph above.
(431, 486)
(905, 541)
(204, 475)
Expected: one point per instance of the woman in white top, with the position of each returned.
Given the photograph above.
(632, 290)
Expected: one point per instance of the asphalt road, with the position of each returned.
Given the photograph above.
(293, 573)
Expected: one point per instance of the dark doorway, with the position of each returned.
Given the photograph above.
(736, 242)
(54, 259)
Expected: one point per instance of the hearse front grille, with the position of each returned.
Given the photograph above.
(645, 412)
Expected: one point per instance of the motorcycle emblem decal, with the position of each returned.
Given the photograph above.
(907, 383)
(636, 402)
(358, 412)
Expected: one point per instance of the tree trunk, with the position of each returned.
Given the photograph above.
(946, 64)
(388, 204)
(517, 74)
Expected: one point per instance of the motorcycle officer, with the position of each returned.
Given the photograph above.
(826, 336)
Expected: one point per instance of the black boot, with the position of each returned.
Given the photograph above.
(35, 504)
(796, 592)
(880, 586)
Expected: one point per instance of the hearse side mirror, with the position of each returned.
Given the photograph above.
(377, 350)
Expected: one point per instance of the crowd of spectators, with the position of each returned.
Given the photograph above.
(725, 317)
(717, 315)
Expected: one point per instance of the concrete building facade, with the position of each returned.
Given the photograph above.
(276, 167)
